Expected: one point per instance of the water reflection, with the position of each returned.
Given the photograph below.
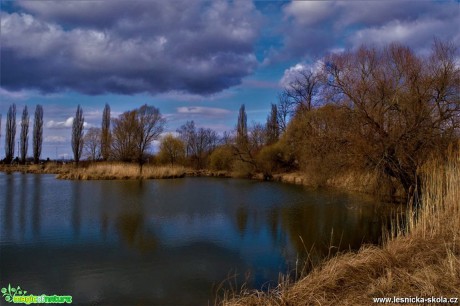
(241, 220)
(36, 204)
(171, 241)
(8, 215)
(76, 199)
(22, 206)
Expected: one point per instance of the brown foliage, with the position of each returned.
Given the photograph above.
(383, 110)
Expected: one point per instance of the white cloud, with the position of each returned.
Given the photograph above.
(200, 110)
(418, 33)
(293, 72)
(67, 124)
(60, 124)
(309, 12)
(54, 139)
(13, 95)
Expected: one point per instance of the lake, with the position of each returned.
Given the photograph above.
(168, 242)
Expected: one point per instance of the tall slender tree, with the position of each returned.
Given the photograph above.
(10, 133)
(243, 149)
(24, 141)
(242, 127)
(38, 133)
(272, 128)
(77, 134)
(105, 133)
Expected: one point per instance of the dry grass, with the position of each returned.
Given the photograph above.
(422, 259)
(45, 168)
(116, 171)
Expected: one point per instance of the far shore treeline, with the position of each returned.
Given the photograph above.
(378, 111)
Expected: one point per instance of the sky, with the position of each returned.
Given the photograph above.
(192, 59)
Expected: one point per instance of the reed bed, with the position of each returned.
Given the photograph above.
(420, 258)
(120, 171)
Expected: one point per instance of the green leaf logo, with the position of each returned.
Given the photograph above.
(10, 292)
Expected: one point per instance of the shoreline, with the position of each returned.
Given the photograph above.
(356, 182)
(352, 181)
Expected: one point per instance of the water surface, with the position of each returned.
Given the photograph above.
(167, 242)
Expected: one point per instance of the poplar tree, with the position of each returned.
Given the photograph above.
(77, 134)
(10, 133)
(105, 133)
(24, 141)
(38, 133)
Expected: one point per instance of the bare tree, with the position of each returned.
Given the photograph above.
(134, 131)
(257, 136)
(38, 133)
(187, 133)
(92, 143)
(105, 133)
(205, 143)
(77, 134)
(405, 106)
(151, 125)
(10, 133)
(24, 134)
(302, 91)
(124, 137)
(285, 111)
(199, 142)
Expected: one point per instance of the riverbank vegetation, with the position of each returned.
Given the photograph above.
(112, 171)
(418, 259)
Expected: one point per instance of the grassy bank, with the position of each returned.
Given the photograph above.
(45, 168)
(119, 171)
(350, 181)
(99, 171)
(422, 259)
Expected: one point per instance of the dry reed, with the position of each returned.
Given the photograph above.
(113, 171)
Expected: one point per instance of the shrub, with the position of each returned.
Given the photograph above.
(221, 159)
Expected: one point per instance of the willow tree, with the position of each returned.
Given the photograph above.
(37, 133)
(77, 134)
(405, 106)
(172, 149)
(24, 140)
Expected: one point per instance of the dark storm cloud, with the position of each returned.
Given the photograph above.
(127, 47)
(313, 28)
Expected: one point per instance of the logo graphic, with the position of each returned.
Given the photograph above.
(19, 296)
